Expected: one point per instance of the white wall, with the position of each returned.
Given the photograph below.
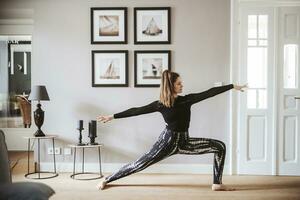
(61, 59)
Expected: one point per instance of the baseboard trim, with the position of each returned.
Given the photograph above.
(156, 168)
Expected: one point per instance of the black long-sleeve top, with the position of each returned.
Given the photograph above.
(178, 116)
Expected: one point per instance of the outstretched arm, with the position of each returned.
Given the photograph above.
(197, 97)
(152, 107)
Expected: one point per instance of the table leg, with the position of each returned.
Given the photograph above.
(53, 146)
(82, 160)
(99, 153)
(39, 169)
(74, 161)
(28, 156)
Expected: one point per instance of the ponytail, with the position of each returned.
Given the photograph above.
(167, 88)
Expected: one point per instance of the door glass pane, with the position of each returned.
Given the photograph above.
(262, 99)
(252, 42)
(251, 98)
(257, 67)
(252, 26)
(290, 65)
(263, 26)
(263, 42)
(257, 61)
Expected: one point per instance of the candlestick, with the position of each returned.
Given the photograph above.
(80, 128)
(80, 124)
(90, 129)
(94, 127)
(93, 131)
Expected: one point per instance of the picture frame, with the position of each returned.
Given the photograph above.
(149, 65)
(109, 25)
(152, 25)
(110, 68)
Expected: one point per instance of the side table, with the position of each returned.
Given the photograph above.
(39, 172)
(83, 147)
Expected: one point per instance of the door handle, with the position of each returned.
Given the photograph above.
(297, 97)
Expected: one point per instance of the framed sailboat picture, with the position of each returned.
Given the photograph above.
(148, 67)
(152, 25)
(110, 68)
(109, 25)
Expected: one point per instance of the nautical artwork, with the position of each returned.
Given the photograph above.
(112, 71)
(152, 68)
(148, 67)
(110, 68)
(109, 25)
(152, 25)
(152, 28)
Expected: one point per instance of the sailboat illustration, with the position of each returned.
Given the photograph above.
(110, 73)
(152, 28)
(109, 26)
(153, 71)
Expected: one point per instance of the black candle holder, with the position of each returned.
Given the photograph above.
(92, 141)
(80, 137)
(80, 128)
(92, 132)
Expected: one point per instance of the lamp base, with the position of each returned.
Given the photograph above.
(39, 120)
(39, 133)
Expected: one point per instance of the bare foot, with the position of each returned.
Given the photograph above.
(101, 185)
(221, 187)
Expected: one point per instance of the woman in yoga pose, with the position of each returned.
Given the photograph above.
(174, 139)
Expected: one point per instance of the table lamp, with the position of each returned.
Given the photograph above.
(39, 93)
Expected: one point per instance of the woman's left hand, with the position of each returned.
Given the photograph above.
(240, 87)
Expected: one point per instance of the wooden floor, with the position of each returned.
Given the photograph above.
(168, 186)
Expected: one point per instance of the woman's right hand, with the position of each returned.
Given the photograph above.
(105, 119)
(241, 87)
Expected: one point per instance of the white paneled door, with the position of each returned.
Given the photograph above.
(268, 138)
(255, 141)
(289, 88)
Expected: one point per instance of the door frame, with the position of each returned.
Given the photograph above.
(21, 27)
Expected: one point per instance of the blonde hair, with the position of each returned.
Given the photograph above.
(167, 91)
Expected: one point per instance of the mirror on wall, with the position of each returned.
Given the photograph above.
(15, 81)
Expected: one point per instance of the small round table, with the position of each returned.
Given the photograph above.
(53, 174)
(83, 147)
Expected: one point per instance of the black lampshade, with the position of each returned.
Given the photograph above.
(39, 93)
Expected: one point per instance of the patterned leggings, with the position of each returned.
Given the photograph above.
(170, 143)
